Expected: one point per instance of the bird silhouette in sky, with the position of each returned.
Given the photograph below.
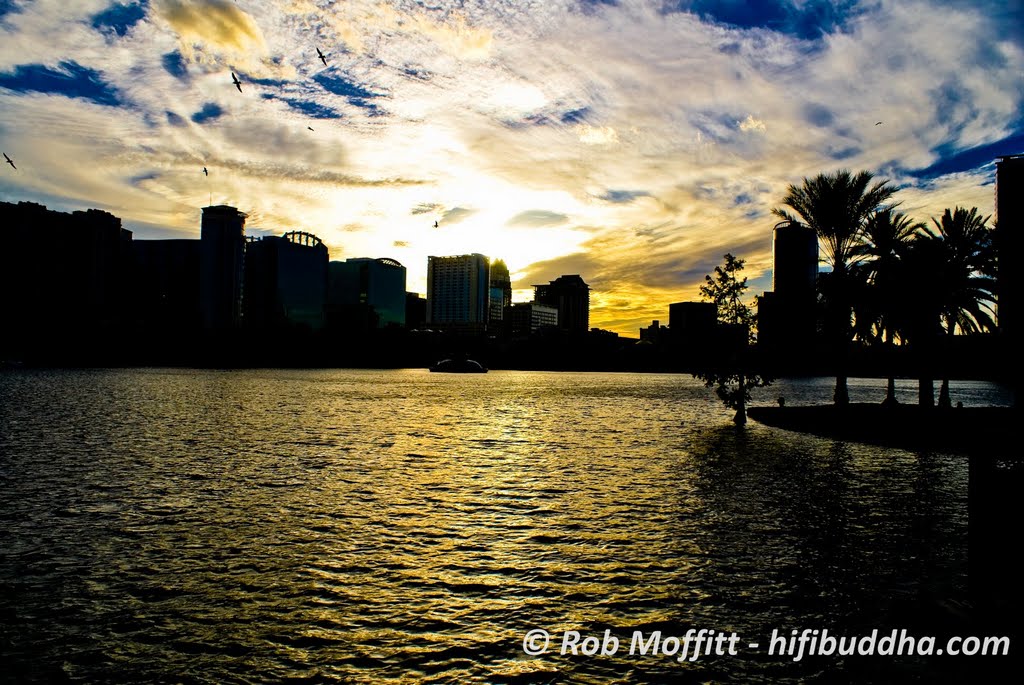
(435, 224)
(9, 161)
(310, 128)
(238, 84)
(878, 123)
(321, 56)
(205, 172)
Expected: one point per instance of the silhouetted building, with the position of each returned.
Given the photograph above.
(415, 311)
(691, 323)
(222, 266)
(501, 290)
(525, 318)
(1009, 226)
(372, 290)
(787, 316)
(286, 281)
(165, 285)
(794, 260)
(655, 333)
(458, 290)
(64, 279)
(571, 297)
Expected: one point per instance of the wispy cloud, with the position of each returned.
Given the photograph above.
(637, 141)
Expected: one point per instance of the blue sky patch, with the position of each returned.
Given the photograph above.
(174, 64)
(951, 161)
(118, 18)
(8, 7)
(311, 109)
(142, 178)
(621, 197)
(809, 20)
(209, 112)
(70, 79)
(818, 115)
(352, 92)
(841, 153)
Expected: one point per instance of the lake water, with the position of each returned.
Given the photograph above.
(400, 526)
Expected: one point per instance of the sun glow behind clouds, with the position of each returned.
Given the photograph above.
(628, 142)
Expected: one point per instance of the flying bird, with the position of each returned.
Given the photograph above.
(310, 128)
(238, 84)
(321, 56)
(878, 123)
(205, 172)
(9, 161)
(435, 224)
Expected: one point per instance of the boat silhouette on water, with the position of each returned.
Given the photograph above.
(458, 366)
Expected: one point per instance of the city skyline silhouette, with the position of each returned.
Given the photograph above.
(443, 132)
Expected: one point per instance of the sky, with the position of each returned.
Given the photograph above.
(631, 142)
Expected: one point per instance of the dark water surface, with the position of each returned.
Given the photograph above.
(401, 526)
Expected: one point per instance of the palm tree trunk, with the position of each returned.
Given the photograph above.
(944, 400)
(841, 396)
(890, 393)
(890, 390)
(926, 391)
(842, 393)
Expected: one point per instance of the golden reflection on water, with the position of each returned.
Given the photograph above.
(401, 526)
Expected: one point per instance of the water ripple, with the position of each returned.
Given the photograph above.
(399, 527)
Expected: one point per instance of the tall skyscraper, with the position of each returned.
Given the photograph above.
(61, 272)
(501, 290)
(458, 290)
(795, 260)
(787, 318)
(571, 297)
(1009, 225)
(165, 285)
(286, 281)
(525, 318)
(221, 266)
(369, 289)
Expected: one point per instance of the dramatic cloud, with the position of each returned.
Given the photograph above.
(632, 142)
(216, 33)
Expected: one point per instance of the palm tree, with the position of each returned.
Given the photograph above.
(879, 261)
(965, 282)
(837, 206)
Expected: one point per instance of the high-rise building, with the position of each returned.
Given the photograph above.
(371, 289)
(165, 285)
(1009, 226)
(62, 273)
(415, 311)
(691, 323)
(221, 266)
(786, 317)
(524, 318)
(571, 297)
(458, 290)
(794, 260)
(286, 281)
(501, 290)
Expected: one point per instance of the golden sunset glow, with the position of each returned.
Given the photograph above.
(633, 143)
